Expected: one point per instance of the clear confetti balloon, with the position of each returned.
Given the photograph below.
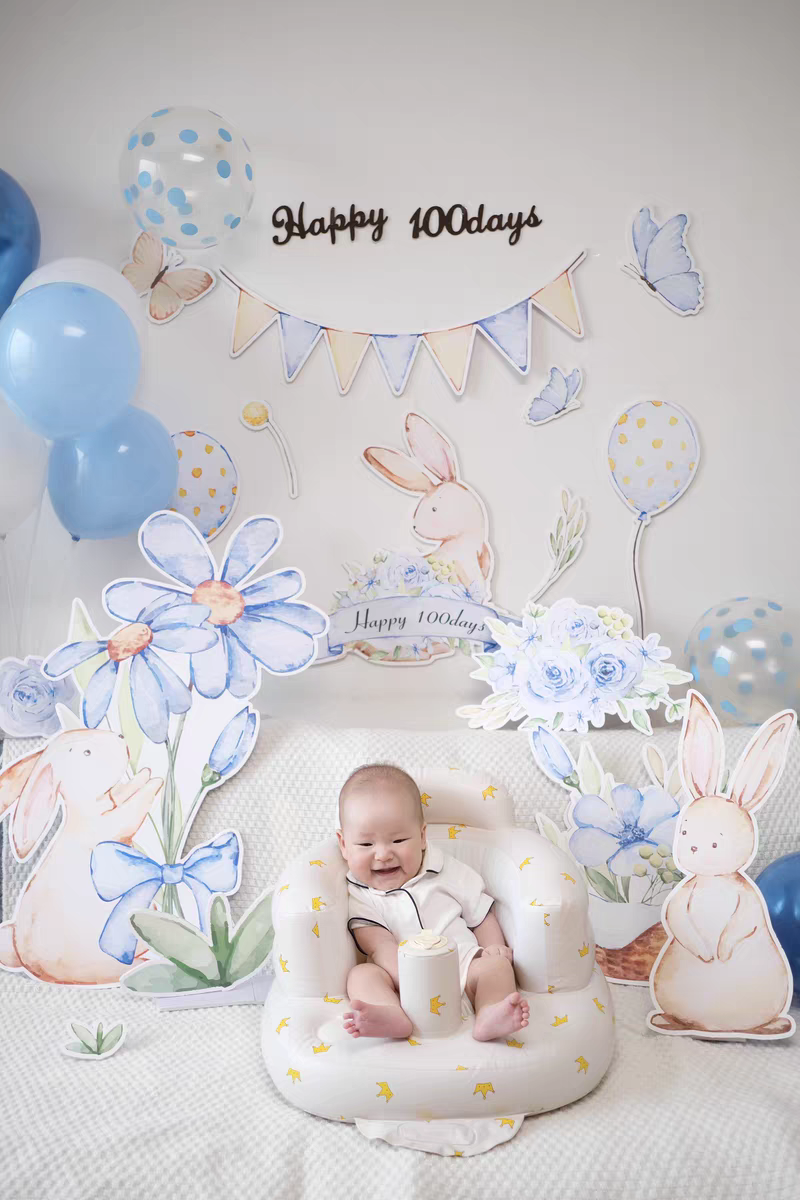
(187, 175)
(744, 655)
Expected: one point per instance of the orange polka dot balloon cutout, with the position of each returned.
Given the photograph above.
(208, 481)
(653, 456)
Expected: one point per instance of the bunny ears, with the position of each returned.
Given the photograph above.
(428, 447)
(702, 756)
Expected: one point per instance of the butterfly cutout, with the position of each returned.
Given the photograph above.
(665, 264)
(557, 397)
(153, 270)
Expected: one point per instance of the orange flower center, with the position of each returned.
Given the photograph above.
(225, 602)
(129, 640)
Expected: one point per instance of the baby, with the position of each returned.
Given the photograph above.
(399, 885)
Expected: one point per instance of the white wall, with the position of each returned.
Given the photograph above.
(586, 110)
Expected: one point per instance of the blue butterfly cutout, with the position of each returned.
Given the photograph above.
(556, 397)
(665, 264)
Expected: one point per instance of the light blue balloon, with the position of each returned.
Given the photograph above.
(104, 484)
(19, 238)
(69, 359)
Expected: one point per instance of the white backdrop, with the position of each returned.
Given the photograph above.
(588, 111)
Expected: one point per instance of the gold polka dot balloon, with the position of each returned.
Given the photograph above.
(208, 481)
(653, 453)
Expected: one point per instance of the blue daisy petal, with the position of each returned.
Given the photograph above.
(182, 615)
(183, 639)
(68, 657)
(176, 548)
(278, 647)
(99, 691)
(209, 671)
(149, 700)
(301, 616)
(128, 598)
(281, 585)
(178, 696)
(252, 543)
(242, 668)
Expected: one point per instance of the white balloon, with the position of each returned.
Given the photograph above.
(93, 274)
(23, 465)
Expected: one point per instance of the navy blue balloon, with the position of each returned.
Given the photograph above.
(69, 359)
(104, 484)
(780, 886)
(19, 238)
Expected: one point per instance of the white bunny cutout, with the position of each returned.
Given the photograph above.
(450, 514)
(722, 972)
(59, 916)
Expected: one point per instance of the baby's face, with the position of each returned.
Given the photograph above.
(382, 840)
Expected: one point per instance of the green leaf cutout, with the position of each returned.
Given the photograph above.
(603, 886)
(220, 934)
(79, 1048)
(589, 773)
(128, 723)
(178, 941)
(110, 1040)
(252, 941)
(162, 977)
(99, 1036)
(85, 1036)
(640, 719)
(81, 629)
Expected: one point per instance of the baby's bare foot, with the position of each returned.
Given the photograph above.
(377, 1020)
(499, 1020)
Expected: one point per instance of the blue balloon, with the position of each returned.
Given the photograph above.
(19, 238)
(69, 359)
(104, 484)
(780, 885)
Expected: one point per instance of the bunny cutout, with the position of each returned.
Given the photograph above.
(59, 917)
(722, 972)
(450, 513)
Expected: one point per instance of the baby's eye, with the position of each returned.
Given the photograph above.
(364, 843)
(397, 841)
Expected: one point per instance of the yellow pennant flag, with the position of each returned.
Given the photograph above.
(559, 300)
(452, 349)
(346, 351)
(253, 316)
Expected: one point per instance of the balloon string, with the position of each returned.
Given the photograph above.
(12, 619)
(635, 572)
(29, 576)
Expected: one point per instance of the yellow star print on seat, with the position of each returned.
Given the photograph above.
(584, 950)
(412, 1042)
(547, 923)
(483, 1088)
(385, 1091)
(582, 1064)
(536, 904)
(560, 1021)
(284, 1022)
(489, 792)
(568, 878)
(317, 903)
(505, 1121)
(526, 862)
(458, 1154)
(513, 1042)
(321, 1048)
(602, 1007)
(436, 1004)
(315, 930)
(284, 963)
(316, 862)
(424, 798)
(332, 999)
(459, 1068)
(283, 889)
(294, 1075)
(454, 830)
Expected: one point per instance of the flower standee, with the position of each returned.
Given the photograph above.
(569, 666)
(170, 682)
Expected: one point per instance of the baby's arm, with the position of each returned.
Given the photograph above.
(490, 936)
(380, 945)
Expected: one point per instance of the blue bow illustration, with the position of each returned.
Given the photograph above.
(121, 873)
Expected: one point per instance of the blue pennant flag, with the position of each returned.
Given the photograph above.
(397, 352)
(510, 332)
(298, 339)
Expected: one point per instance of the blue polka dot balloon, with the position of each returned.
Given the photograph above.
(744, 655)
(187, 175)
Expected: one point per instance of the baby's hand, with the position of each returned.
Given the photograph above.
(499, 952)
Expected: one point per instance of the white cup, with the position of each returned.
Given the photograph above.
(430, 985)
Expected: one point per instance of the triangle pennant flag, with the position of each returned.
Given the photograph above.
(298, 339)
(396, 352)
(560, 301)
(346, 350)
(452, 349)
(510, 332)
(253, 316)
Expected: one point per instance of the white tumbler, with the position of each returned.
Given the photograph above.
(430, 986)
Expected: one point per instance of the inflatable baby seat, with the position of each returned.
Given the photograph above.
(449, 1094)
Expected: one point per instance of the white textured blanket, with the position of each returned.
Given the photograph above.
(186, 1110)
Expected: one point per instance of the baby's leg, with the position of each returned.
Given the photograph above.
(499, 1008)
(376, 1005)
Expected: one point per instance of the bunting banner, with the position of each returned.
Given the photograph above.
(508, 331)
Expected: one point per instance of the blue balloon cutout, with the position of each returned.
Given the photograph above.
(104, 484)
(19, 238)
(69, 359)
(780, 886)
